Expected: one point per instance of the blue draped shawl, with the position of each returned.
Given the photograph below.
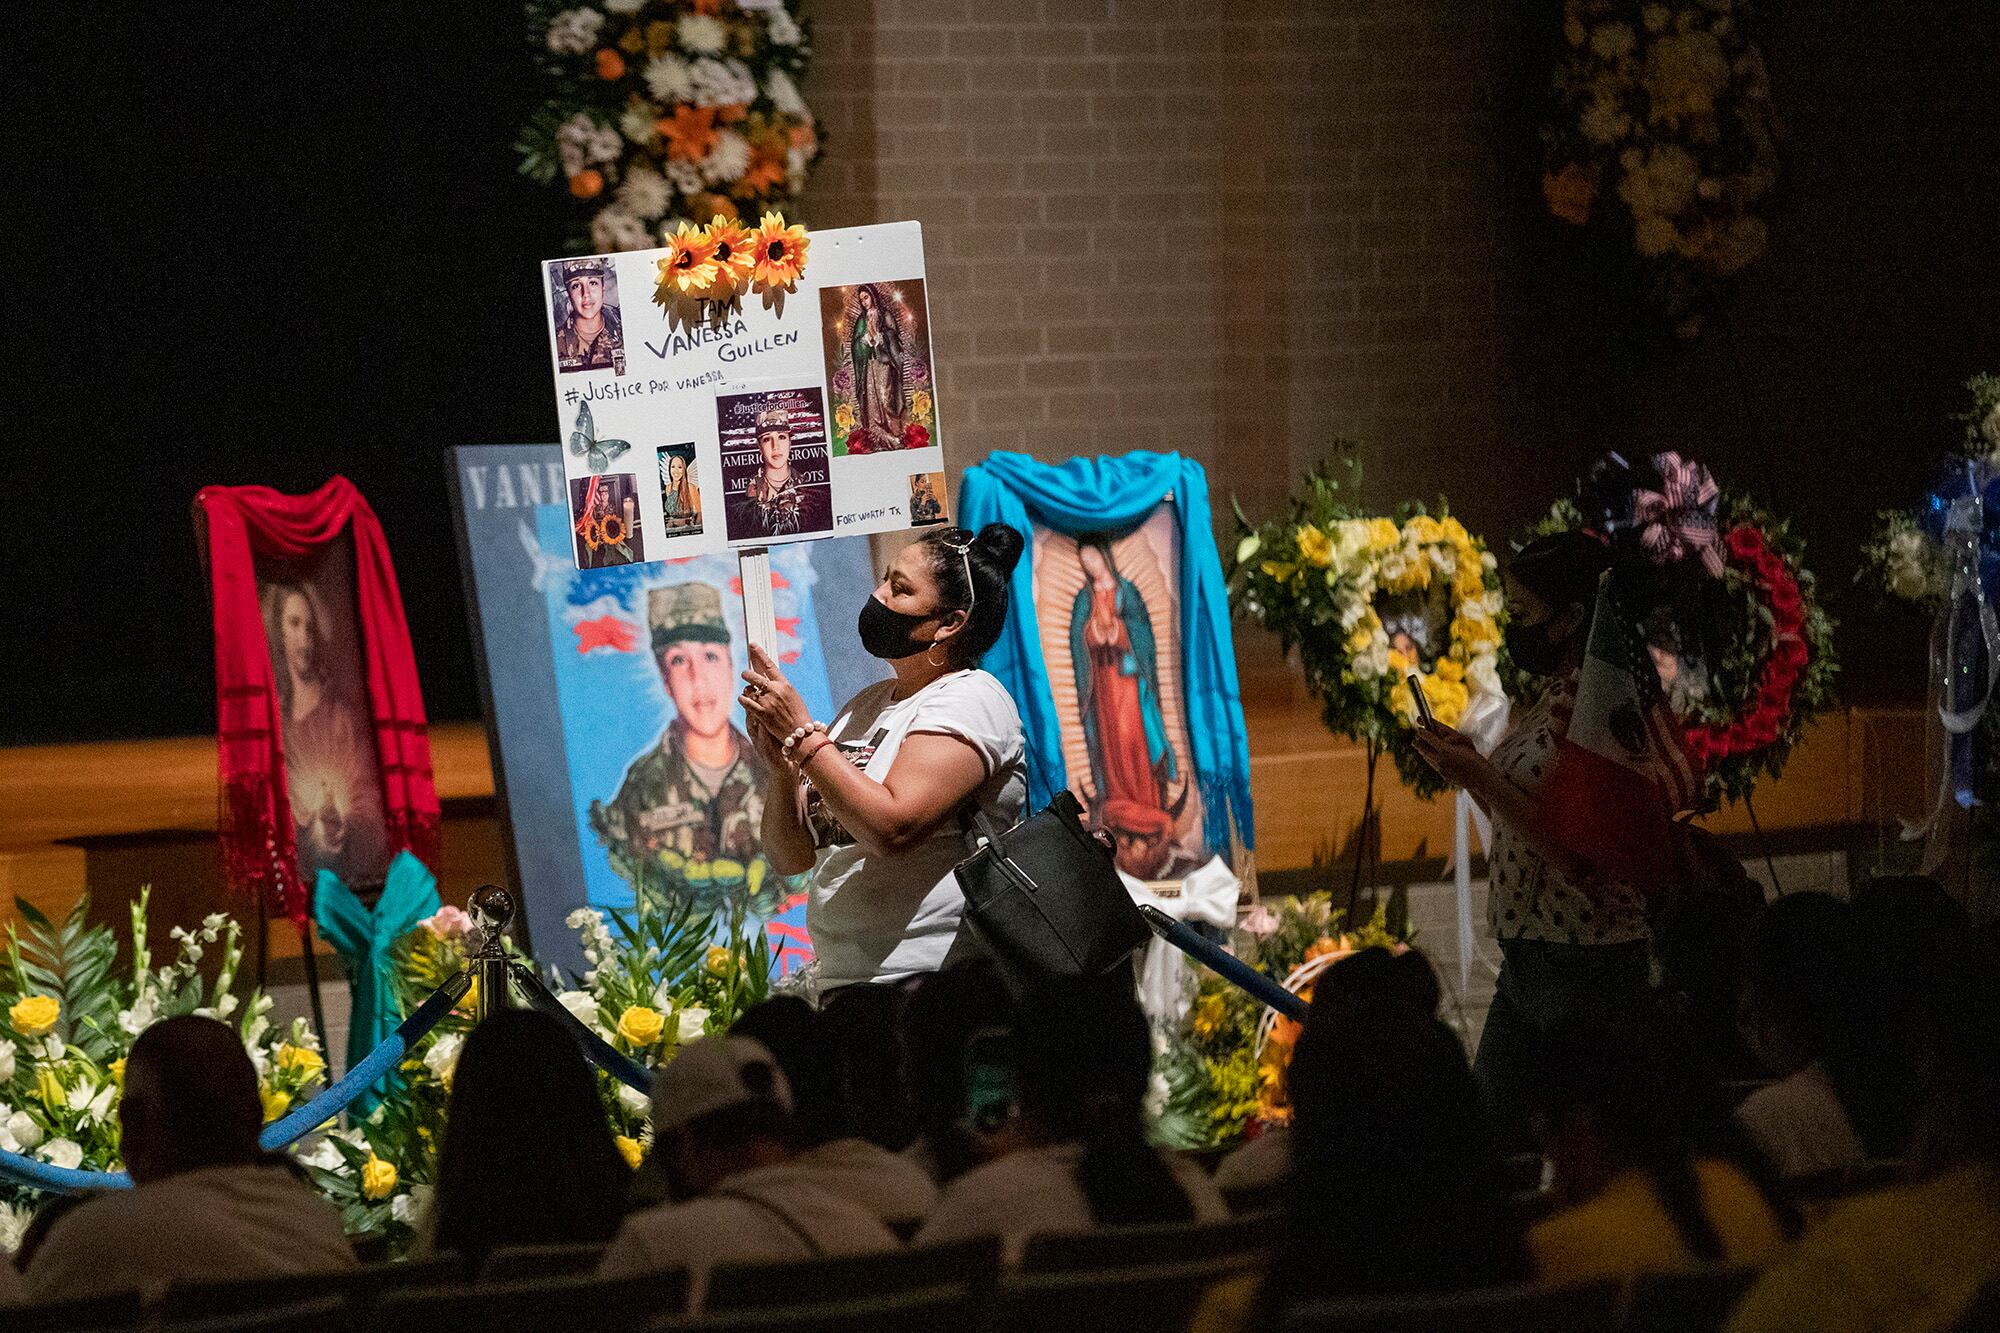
(1092, 495)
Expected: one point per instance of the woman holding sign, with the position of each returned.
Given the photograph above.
(875, 806)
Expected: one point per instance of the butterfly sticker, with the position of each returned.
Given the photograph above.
(583, 441)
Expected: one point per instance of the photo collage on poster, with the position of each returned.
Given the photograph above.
(782, 418)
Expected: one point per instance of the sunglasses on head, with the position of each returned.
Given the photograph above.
(959, 541)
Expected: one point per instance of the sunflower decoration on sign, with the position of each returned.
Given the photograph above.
(1733, 622)
(707, 270)
(1663, 126)
(1368, 601)
(670, 110)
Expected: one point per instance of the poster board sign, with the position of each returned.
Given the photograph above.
(611, 701)
(789, 417)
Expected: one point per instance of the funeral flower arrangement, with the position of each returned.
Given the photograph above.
(1369, 600)
(1906, 558)
(1736, 630)
(658, 975)
(69, 1014)
(1664, 121)
(666, 110)
(1221, 1076)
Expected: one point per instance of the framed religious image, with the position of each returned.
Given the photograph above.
(331, 771)
(877, 345)
(619, 751)
(774, 464)
(680, 491)
(1108, 615)
(583, 299)
(928, 503)
(604, 519)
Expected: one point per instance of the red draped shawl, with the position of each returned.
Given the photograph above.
(259, 850)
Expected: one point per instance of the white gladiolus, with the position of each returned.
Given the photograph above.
(324, 1156)
(635, 1101)
(583, 1005)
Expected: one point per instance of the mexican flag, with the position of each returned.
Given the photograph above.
(1621, 770)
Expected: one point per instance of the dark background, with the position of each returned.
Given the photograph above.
(245, 244)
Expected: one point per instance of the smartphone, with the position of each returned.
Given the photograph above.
(990, 1097)
(1424, 717)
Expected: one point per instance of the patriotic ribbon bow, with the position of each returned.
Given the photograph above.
(1678, 520)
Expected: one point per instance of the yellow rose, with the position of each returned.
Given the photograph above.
(843, 416)
(629, 1149)
(1399, 661)
(1449, 670)
(378, 1178)
(1358, 640)
(1454, 531)
(641, 1025)
(1400, 702)
(920, 402)
(719, 960)
(34, 1015)
(49, 1088)
(276, 1101)
(1424, 528)
(117, 1071)
(1315, 547)
(1382, 533)
(300, 1060)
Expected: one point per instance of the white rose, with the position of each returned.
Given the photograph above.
(6, 1060)
(635, 1101)
(403, 1209)
(23, 1129)
(692, 1020)
(62, 1153)
(1483, 676)
(583, 1006)
(442, 1058)
(324, 1156)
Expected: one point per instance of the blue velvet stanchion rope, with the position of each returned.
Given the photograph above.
(595, 1049)
(1231, 968)
(278, 1134)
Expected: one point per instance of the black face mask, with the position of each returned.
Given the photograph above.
(890, 634)
(1533, 650)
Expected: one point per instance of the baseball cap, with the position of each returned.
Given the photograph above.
(712, 1074)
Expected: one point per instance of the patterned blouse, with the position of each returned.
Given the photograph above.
(1527, 898)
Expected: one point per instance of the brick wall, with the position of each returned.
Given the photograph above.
(1242, 230)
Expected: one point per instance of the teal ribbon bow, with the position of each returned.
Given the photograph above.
(365, 940)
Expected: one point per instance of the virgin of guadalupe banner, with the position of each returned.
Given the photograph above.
(324, 761)
(781, 418)
(1118, 651)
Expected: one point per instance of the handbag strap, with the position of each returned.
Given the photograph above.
(1006, 864)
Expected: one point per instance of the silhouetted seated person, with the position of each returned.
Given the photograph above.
(1914, 1256)
(209, 1204)
(947, 1010)
(722, 1135)
(528, 1157)
(1655, 1175)
(1083, 1054)
(888, 1186)
(1799, 1015)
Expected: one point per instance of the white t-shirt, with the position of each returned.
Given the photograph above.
(769, 1213)
(888, 1185)
(1035, 1190)
(1800, 1126)
(885, 918)
(212, 1225)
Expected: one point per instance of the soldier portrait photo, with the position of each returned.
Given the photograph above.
(584, 298)
(774, 464)
(686, 820)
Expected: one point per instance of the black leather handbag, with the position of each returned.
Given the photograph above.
(1043, 898)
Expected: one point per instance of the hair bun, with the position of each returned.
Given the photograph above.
(1000, 544)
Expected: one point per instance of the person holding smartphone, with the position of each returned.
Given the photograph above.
(871, 806)
(1573, 945)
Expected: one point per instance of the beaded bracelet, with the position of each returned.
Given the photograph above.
(792, 741)
(806, 757)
